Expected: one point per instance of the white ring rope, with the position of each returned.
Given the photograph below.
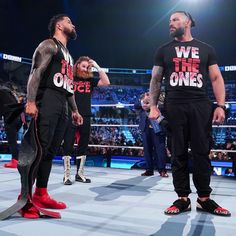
(108, 125)
(128, 147)
(224, 126)
(120, 104)
(135, 147)
(114, 146)
(134, 126)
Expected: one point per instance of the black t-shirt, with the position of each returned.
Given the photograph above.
(59, 73)
(83, 89)
(185, 69)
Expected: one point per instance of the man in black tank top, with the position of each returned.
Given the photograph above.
(84, 83)
(186, 63)
(49, 91)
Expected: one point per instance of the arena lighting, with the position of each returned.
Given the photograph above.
(25, 60)
(192, 1)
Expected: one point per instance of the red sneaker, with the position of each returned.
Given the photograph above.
(42, 199)
(29, 211)
(12, 164)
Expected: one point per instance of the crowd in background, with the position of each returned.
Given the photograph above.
(125, 115)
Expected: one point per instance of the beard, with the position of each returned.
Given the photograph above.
(177, 33)
(84, 74)
(71, 34)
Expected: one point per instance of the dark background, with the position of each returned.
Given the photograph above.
(117, 33)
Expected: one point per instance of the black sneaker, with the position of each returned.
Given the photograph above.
(212, 207)
(67, 182)
(179, 206)
(147, 173)
(83, 180)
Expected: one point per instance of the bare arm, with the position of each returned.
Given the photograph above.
(218, 87)
(41, 58)
(104, 80)
(155, 90)
(217, 82)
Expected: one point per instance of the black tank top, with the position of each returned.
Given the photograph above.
(59, 73)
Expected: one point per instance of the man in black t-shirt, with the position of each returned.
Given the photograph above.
(84, 83)
(186, 63)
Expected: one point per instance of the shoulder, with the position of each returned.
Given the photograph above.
(201, 43)
(48, 45)
(165, 46)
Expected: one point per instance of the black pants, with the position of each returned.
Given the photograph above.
(11, 131)
(53, 115)
(191, 123)
(69, 139)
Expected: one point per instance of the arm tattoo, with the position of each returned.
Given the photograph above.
(41, 58)
(155, 84)
(72, 103)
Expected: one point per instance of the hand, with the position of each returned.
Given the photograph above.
(218, 116)
(77, 119)
(31, 109)
(94, 64)
(154, 113)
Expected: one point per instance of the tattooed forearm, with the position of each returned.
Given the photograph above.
(72, 103)
(41, 58)
(155, 85)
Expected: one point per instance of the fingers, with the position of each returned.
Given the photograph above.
(31, 109)
(153, 116)
(93, 63)
(31, 112)
(154, 113)
(80, 120)
(218, 119)
(77, 119)
(218, 116)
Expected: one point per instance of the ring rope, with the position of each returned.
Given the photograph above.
(120, 105)
(134, 126)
